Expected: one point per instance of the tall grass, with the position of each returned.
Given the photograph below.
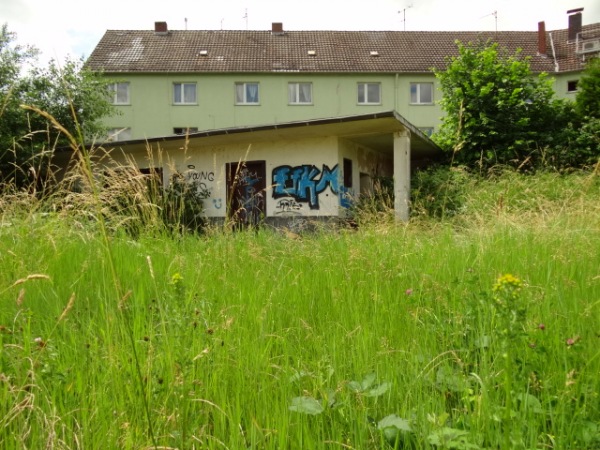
(406, 336)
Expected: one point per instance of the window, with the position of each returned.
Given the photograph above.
(421, 93)
(185, 130)
(427, 131)
(119, 93)
(300, 93)
(184, 94)
(246, 93)
(572, 86)
(118, 134)
(369, 93)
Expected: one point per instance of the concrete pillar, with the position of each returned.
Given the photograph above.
(402, 174)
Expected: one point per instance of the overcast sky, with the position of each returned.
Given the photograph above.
(73, 27)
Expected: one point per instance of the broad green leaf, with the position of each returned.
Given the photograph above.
(378, 390)
(306, 405)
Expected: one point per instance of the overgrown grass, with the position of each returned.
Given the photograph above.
(406, 336)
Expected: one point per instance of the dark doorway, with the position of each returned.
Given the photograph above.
(246, 185)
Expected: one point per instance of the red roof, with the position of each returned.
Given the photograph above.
(194, 51)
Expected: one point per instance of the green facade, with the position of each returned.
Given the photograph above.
(151, 111)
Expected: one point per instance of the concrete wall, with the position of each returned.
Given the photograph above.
(317, 160)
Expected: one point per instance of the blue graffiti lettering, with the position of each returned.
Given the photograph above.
(302, 184)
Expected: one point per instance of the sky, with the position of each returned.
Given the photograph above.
(72, 28)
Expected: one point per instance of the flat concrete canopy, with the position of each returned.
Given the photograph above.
(375, 131)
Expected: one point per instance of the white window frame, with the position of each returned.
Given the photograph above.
(299, 89)
(184, 130)
(427, 131)
(363, 90)
(119, 93)
(179, 93)
(415, 93)
(118, 134)
(242, 96)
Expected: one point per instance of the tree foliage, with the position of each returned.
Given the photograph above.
(588, 90)
(69, 93)
(497, 111)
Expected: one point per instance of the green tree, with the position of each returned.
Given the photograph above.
(497, 111)
(588, 90)
(72, 95)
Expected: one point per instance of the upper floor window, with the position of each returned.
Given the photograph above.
(369, 93)
(572, 86)
(119, 93)
(246, 94)
(300, 93)
(185, 130)
(421, 93)
(118, 134)
(184, 94)
(427, 131)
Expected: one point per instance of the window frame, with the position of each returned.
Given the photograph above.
(417, 100)
(184, 131)
(571, 83)
(295, 85)
(114, 133)
(427, 131)
(113, 89)
(182, 85)
(365, 87)
(244, 100)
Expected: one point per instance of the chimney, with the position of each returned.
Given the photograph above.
(161, 28)
(277, 28)
(541, 38)
(574, 23)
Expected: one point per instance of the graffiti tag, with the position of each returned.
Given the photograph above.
(304, 183)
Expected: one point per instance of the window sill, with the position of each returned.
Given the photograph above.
(421, 104)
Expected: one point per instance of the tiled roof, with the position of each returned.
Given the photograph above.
(192, 51)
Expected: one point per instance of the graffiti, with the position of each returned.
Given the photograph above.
(288, 207)
(345, 197)
(248, 201)
(217, 203)
(201, 178)
(304, 183)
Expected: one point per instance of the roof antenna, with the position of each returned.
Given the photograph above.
(185, 20)
(404, 15)
(246, 17)
(495, 14)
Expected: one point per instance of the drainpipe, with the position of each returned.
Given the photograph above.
(556, 68)
(396, 92)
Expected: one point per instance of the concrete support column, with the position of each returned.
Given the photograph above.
(402, 174)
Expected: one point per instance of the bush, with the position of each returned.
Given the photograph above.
(439, 191)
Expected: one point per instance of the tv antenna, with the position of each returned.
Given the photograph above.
(495, 14)
(404, 15)
(185, 19)
(246, 17)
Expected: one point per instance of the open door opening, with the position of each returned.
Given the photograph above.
(246, 198)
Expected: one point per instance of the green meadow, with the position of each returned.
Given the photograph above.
(480, 330)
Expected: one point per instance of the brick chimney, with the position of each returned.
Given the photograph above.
(575, 20)
(161, 28)
(277, 28)
(541, 38)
